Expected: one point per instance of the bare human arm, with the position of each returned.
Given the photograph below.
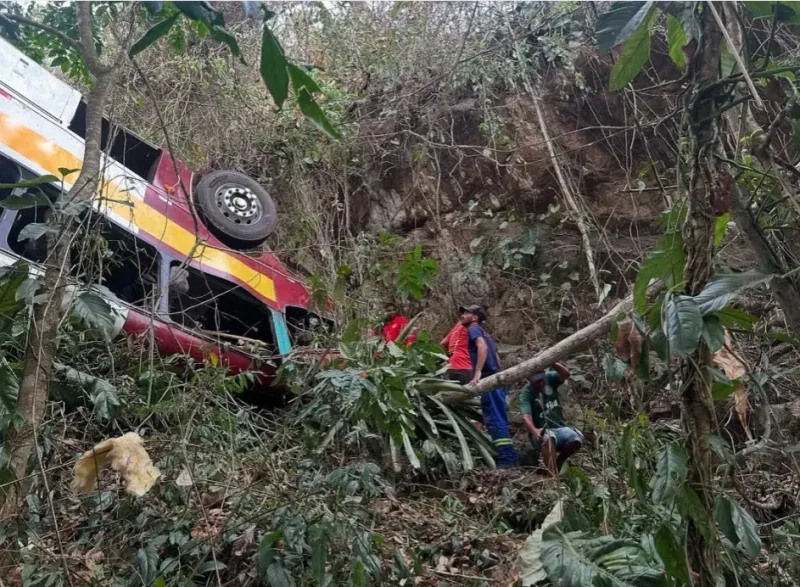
(528, 419)
(445, 344)
(562, 370)
(483, 352)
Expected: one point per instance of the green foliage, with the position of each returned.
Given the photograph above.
(94, 311)
(683, 324)
(785, 12)
(664, 263)
(41, 46)
(381, 393)
(620, 22)
(154, 33)
(531, 565)
(670, 473)
(723, 288)
(415, 274)
(713, 333)
(578, 559)
(508, 253)
(634, 55)
(671, 554)
(100, 391)
(676, 39)
(273, 67)
(738, 526)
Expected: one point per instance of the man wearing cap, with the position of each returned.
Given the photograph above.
(544, 418)
(486, 362)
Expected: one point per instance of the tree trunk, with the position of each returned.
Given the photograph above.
(40, 352)
(576, 342)
(697, 418)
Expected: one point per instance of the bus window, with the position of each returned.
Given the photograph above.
(126, 148)
(110, 255)
(218, 308)
(36, 250)
(129, 265)
(303, 325)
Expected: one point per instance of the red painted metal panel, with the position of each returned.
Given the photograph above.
(171, 339)
(166, 194)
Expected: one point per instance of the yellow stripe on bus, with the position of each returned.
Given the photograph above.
(51, 157)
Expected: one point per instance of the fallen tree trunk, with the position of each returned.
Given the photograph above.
(574, 343)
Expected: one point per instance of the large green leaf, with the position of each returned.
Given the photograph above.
(665, 262)
(727, 62)
(279, 576)
(633, 57)
(691, 508)
(746, 530)
(670, 473)
(300, 79)
(722, 289)
(95, 311)
(676, 39)
(671, 554)
(273, 67)
(724, 517)
(410, 452)
(102, 393)
(480, 441)
(201, 12)
(16, 276)
(466, 455)
(628, 459)
(32, 231)
(578, 559)
(619, 23)
(24, 201)
(223, 35)
(684, 324)
(148, 564)
(530, 555)
(721, 227)
(713, 332)
(314, 113)
(41, 180)
(152, 34)
(9, 389)
(733, 318)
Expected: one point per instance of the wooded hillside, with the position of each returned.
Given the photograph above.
(617, 182)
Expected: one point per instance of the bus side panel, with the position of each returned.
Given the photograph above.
(172, 340)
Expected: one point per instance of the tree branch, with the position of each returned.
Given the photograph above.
(87, 49)
(46, 28)
(574, 343)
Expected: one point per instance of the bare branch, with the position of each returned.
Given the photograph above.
(46, 28)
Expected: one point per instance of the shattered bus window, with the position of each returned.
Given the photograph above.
(210, 305)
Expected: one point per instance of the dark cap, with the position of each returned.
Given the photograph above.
(476, 309)
(537, 377)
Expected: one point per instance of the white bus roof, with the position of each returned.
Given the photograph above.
(36, 85)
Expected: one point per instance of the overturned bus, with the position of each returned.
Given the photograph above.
(184, 255)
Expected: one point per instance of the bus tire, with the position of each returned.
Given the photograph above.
(236, 208)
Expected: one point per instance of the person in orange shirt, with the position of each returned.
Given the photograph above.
(456, 345)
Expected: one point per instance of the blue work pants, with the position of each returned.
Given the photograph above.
(494, 407)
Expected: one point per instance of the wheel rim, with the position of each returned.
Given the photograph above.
(238, 204)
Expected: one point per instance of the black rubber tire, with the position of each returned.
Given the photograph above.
(234, 230)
